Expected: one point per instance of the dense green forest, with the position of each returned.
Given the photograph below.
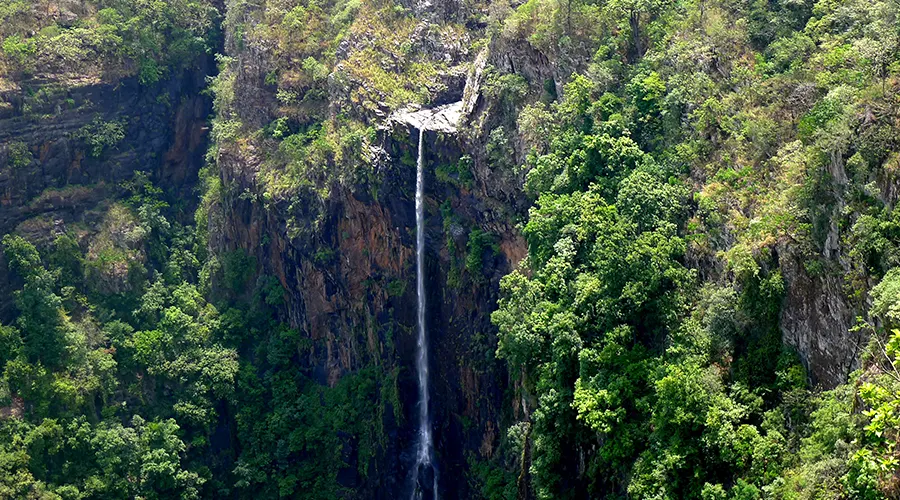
(662, 188)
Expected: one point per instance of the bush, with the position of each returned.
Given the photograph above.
(20, 51)
(479, 242)
(101, 135)
(18, 155)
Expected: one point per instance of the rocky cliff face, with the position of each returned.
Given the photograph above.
(352, 291)
(346, 258)
(342, 246)
(816, 320)
(68, 146)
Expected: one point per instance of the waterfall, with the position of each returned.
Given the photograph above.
(425, 475)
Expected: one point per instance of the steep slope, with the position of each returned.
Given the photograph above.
(659, 248)
(79, 117)
(318, 188)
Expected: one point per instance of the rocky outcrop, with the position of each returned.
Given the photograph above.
(443, 119)
(346, 259)
(67, 148)
(816, 320)
(352, 292)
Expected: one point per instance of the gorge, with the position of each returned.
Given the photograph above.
(653, 249)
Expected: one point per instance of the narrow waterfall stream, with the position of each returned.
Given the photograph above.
(443, 120)
(425, 484)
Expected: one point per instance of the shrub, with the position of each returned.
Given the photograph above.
(101, 135)
(20, 51)
(18, 155)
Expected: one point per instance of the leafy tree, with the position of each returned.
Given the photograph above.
(40, 321)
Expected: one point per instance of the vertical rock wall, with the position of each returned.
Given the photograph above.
(51, 178)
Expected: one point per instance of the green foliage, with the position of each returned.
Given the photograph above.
(586, 150)
(886, 298)
(478, 243)
(296, 446)
(647, 94)
(598, 284)
(648, 201)
(314, 69)
(40, 320)
(819, 117)
(280, 128)
(20, 51)
(664, 389)
(238, 268)
(18, 155)
(499, 151)
(458, 173)
(148, 39)
(493, 482)
(71, 458)
(80, 361)
(10, 9)
(507, 89)
(10, 344)
(120, 394)
(396, 288)
(704, 158)
(101, 135)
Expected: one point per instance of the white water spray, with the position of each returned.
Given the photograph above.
(424, 468)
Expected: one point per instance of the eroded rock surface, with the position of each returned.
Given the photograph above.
(444, 118)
